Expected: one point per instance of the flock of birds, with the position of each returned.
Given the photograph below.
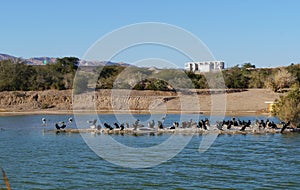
(58, 125)
(203, 124)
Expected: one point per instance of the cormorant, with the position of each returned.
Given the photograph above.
(122, 127)
(117, 125)
(243, 128)
(63, 125)
(160, 125)
(285, 125)
(57, 126)
(199, 124)
(107, 126)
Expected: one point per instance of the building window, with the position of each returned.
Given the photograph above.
(205, 66)
(211, 67)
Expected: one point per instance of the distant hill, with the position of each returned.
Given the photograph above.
(99, 63)
(5, 56)
(42, 60)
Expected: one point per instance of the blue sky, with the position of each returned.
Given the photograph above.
(263, 32)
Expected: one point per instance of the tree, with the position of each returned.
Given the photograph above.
(108, 76)
(80, 84)
(287, 108)
(248, 66)
(282, 79)
(294, 69)
(258, 78)
(66, 67)
(236, 77)
(15, 75)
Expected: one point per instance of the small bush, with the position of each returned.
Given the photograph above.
(287, 108)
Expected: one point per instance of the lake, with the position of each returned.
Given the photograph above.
(33, 159)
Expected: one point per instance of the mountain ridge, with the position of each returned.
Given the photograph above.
(46, 60)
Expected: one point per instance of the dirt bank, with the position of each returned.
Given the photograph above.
(251, 101)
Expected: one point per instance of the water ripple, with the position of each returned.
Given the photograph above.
(33, 160)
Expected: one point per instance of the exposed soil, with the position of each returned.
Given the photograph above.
(230, 102)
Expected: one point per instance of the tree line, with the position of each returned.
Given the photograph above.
(17, 75)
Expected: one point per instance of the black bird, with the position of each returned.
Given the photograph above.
(107, 126)
(63, 125)
(57, 126)
(272, 125)
(235, 123)
(249, 122)
(207, 122)
(117, 125)
(285, 125)
(229, 125)
(60, 127)
(240, 122)
(204, 124)
(173, 126)
(160, 125)
(263, 124)
(122, 127)
(199, 124)
(176, 124)
(243, 128)
(267, 123)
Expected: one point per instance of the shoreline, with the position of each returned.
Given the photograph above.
(236, 103)
(75, 112)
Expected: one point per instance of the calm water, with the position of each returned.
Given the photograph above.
(34, 160)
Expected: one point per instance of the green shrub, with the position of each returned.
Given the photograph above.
(287, 108)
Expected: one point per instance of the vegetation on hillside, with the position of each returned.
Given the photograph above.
(17, 75)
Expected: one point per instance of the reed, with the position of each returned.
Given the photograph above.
(5, 179)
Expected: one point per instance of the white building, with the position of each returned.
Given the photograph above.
(205, 66)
